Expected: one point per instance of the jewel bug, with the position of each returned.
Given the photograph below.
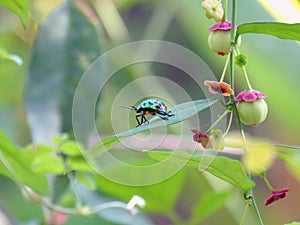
(150, 107)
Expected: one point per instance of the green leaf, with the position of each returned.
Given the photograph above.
(182, 112)
(4, 54)
(210, 203)
(286, 152)
(229, 170)
(293, 223)
(70, 148)
(291, 156)
(78, 164)
(160, 197)
(44, 160)
(65, 46)
(87, 179)
(48, 164)
(20, 162)
(19, 7)
(280, 30)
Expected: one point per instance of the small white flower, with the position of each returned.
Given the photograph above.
(213, 9)
(135, 201)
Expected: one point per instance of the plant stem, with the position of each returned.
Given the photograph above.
(232, 44)
(10, 170)
(246, 77)
(244, 214)
(225, 68)
(38, 199)
(81, 211)
(229, 124)
(175, 218)
(217, 5)
(224, 18)
(268, 184)
(256, 208)
(239, 124)
(73, 184)
(217, 121)
(245, 72)
(70, 175)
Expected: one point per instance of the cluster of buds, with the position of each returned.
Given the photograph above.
(251, 106)
(220, 33)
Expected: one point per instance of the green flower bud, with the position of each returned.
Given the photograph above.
(219, 42)
(252, 113)
(241, 60)
(251, 107)
(220, 37)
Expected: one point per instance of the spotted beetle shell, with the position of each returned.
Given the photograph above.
(153, 104)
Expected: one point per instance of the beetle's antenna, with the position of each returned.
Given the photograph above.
(128, 107)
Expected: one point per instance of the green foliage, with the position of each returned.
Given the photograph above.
(87, 179)
(229, 170)
(64, 158)
(290, 155)
(19, 7)
(70, 148)
(65, 46)
(160, 197)
(182, 112)
(280, 30)
(209, 204)
(78, 163)
(48, 164)
(293, 223)
(21, 166)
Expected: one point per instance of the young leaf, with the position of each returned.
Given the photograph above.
(182, 112)
(65, 46)
(70, 148)
(209, 204)
(48, 164)
(293, 223)
(78, 164)
(21, 162)
(19, 7)
(226, 169)
(280, 30)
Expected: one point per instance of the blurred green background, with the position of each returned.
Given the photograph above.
(273, 68)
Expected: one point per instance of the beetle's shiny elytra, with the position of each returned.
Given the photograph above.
(151, 107)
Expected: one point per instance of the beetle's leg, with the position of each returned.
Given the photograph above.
(170, 114)
(163, 117)
(136, 117)
(145, 119)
